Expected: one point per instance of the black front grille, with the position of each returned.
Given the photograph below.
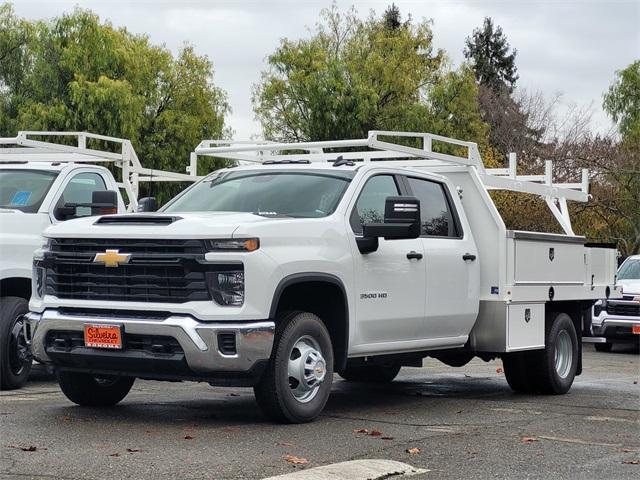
(165, 271)
(624, 309)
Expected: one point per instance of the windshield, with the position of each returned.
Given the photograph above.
(24, 190)
(630, 270)
(307, 194)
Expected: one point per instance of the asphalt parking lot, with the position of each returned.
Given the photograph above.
(465, 422)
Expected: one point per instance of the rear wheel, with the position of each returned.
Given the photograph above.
(554, 368)
(518, 372)
(297, 382)
(15, 357)
(94, 390)
(603, 347)
(371, 373)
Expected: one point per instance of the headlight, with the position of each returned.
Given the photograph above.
(234, 244)
(598, 307)
(38, 280)
(227, 286)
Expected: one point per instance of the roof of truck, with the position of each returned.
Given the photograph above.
(48, 166)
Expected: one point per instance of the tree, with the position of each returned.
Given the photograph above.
(488, 51)
(622, 102)
(354, 75)
(78, 73)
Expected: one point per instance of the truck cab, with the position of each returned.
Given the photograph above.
(44, 182)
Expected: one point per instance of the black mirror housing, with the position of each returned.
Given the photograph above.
(401, 221)
(104, 202)
(147, 204)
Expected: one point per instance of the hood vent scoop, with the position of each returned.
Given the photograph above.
(137, 219)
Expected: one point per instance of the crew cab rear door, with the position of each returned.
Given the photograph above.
(451, 263)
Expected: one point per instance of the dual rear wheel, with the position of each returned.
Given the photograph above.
(551, 370)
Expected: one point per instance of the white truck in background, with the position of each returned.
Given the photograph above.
(352, 256)
(618, 320)
(44, 182)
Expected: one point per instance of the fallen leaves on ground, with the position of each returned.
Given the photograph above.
(528, 439)
(361, 430)
(285, 444)
(375, 433)
(631, 462)
(386, 438)
(133, 450)
(114, 454)
(413, 451)
(30, 448)
(295, 460)
(624, 450)
(499, 370)
(188, 437)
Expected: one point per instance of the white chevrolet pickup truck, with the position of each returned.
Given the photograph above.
(355, 257)
(46, 180)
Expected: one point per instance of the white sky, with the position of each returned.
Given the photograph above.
(567, 46)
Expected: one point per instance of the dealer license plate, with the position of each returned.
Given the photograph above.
(103, 336)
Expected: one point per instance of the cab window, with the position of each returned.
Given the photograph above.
(436, 215)
(370, 205)
(80, 190)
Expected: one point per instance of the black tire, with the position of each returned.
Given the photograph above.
(15, 357)
(371, 373)
(518, 372)
(276, 392)
(94, 391)
(545, 369)
(603, 347)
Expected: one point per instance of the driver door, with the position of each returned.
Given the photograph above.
(390, 282)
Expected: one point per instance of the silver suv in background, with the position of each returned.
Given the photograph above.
(619, 320)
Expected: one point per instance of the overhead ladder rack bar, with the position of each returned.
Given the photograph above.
(378, 147)
(26, 148)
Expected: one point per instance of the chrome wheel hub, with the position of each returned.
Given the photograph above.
(563, 354)
(306, 369)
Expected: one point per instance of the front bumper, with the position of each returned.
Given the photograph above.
(614, 326)
(195, 350)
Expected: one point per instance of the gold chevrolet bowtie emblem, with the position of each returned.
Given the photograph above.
(112, 258)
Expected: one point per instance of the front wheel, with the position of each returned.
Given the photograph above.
(94, 391)
(297, 382)
(15, 357)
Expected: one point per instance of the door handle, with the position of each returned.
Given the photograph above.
(468, 256)
(411, 255)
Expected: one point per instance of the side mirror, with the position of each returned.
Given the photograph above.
(401, 221)
(147, 204)
(104, 202)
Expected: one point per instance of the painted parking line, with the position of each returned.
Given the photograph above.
(368, 469)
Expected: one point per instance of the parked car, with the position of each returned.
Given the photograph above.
(43, 183)
(618, 320)
(277, 273)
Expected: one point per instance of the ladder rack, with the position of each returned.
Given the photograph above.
(378, 147)
(24, 148)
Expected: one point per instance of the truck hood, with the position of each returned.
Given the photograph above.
(155, 225)
(630, 286)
